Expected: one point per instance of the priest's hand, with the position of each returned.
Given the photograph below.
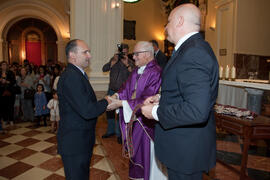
(115, 103)
(147, 110)
(152, 100)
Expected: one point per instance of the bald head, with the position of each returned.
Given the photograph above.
(191, 15)
(183, 20)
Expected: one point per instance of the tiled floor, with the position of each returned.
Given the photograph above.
(27, 152)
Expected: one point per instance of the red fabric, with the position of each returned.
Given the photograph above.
(33, 52)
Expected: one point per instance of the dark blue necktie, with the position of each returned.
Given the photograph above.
(85, 75)
(173, 52)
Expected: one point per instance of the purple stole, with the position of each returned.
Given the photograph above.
(148, 84)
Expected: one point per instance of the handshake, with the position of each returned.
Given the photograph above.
(148, 104)
(113, 102)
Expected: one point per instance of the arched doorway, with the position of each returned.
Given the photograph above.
(33, 48)
(31, 39)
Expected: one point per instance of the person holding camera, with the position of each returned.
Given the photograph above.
(120, 67)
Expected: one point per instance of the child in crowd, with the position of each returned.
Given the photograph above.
(54, 111)
(40, 105)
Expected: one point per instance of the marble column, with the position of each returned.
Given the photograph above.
(61, 51)
(100, 24)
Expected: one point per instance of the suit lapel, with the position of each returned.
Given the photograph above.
(179, 50)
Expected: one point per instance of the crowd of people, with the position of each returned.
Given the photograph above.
(25, 91)
(166, 119)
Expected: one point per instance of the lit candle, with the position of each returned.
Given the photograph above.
(220, 72)
(233, 72)
(227, 72)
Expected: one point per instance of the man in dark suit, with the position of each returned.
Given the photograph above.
(159, 55)
(79, 110)
(185, 137)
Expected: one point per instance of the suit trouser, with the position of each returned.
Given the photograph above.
(113, 125)
(175, 175)
(77, 166)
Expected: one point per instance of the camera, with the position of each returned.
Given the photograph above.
(120, 51)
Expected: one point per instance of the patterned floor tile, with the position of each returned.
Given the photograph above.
(43, 136)
(60, 172)
(52, 139)
(20, 131)
(6, 161)
(10, 149)
(34, 173)
(2, 143)
(98, 151)
(36, 159)
(27, 142)
(21, 154)
(51, 150)
(103, 165)
(40, 146)
(14, 139)
(99, 174)
(15, 170)
(55, 177)
(31, 133)
(52, 164)
(95, 158)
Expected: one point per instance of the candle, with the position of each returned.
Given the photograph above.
(233, 72)
(220, 72)
(227, 72)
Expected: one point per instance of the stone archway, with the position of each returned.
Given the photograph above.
(16, 10)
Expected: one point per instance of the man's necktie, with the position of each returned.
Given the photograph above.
(86, 76)
(173, 52)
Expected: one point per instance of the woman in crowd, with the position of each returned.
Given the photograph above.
(25, 81)
(7, 96)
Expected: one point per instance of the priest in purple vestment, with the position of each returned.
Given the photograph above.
(143, 82)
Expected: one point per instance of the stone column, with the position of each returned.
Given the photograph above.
(61, 51)
(100, 24)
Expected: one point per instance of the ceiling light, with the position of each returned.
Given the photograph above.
(131, 1)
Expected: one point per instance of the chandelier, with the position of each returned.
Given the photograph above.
(131, 1)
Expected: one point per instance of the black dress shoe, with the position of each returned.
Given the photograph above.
(108, 135)
(119, 140)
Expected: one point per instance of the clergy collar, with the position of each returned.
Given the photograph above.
(141, 69)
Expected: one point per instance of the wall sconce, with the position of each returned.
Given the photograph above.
(212, 28)
(115, 5)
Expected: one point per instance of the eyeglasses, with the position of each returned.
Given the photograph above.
(137, 53)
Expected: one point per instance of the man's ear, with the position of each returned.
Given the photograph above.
(180, 21)
(72, 56)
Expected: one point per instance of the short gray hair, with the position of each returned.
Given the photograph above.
(146, 46)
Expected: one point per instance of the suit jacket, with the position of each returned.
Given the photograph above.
(161, 59)
(185, 137)
(79, 110)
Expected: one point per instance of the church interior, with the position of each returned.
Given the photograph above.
(237, 30)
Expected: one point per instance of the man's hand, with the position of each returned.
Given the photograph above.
(108, 100)
(125, 60)
(115, 103)
(114, 60)
(147, 111)
(152, 100)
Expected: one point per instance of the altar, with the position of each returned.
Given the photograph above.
(235, 93)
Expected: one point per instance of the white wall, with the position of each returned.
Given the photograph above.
(253, 27)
